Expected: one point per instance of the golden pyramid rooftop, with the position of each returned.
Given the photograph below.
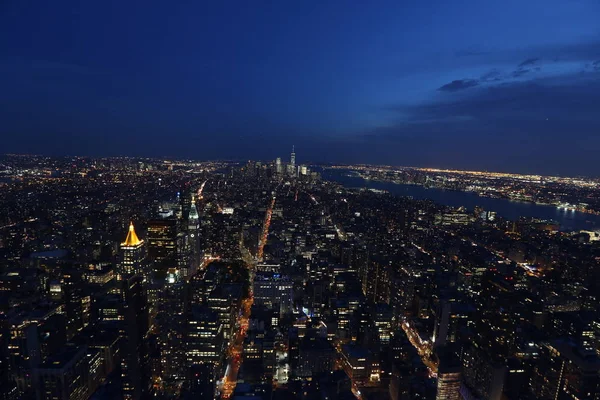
(131, 239)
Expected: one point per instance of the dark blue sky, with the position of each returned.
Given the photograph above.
(502, 85)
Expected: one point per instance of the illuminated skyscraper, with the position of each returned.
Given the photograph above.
(193, 218)
(162, 244)
(171, 327)
(278, 166)
(204, 336)
(292, 165)
(132, 254)
(449, 379)
(193, 240)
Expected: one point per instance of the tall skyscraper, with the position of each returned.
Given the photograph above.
(135, 373)
(193, 241)
(292, 166)
(132, 254)
(278, 166)
(162, 244)
(171, 327)
(449, 377)
(204, 336)
(193, 217)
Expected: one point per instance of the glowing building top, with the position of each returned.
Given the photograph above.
(193, 216)
(131, 240)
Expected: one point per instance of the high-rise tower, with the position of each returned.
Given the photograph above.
(291, 168)
(132, 254)
(162, 245)
(193, 232)
(449, 380)
(193, 217)
(135, 373)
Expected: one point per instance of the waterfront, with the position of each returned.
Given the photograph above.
(568, 219)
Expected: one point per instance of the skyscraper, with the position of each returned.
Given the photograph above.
(278, 166)
(193, 217)
(292, 164)
(193, 240)
(204, 342)
(171, 327)
(135, 374)
(449, 377)
(132, 254)
(162, 244)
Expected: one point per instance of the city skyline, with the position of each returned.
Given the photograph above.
(432, 169)
(505, 87)
(278, 200)
(128, 278)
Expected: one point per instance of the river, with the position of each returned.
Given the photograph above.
(568, 220)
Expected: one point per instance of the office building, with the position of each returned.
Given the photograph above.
(483, 374)
(72, 374)
(449, 376)
(204, 342)
(135, 367)
(194, 254)
(316, 355)
(132, 255)
(32, 338)
(202, 381)
(162, 245)
(566, 371)
(272, 289)
(360, 365)
(450, 318)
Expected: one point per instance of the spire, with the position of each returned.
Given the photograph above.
(293, 156)
(131, 239)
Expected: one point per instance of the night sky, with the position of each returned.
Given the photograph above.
(511, 85)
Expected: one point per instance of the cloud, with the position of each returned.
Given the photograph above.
(520, 72)
(499, 127)
(529, 61)
(568, 98)
(527, 70)
(459, 84)
(492, 76)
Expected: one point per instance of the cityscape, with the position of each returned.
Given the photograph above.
(300, 200)
(570, 193)
(130, 278)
